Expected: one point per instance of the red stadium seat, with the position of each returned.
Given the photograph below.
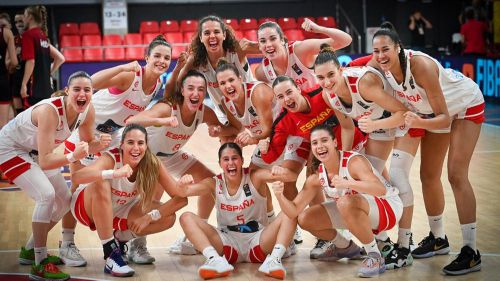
(132, 39)
(73, 55)
(177, 50)
(114, 54)
(294, 35)
(149, 27)
(94, 54)
(189, 25)
(91, 40)
(68, 28)
(248, 23)
(148, 37)
(111, 40)
(250, 35)
(232, 23)
(134, 53)
(326, 21)
(174, 37)
(263, 20)
(89, 28)
(287, 23)
(188, 36)
(70, 41)
(238, 34)
(169, 26)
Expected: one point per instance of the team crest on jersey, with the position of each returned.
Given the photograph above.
(297, 69)
(246, 189)
(252, 111)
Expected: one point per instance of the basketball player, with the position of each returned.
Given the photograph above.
(7, 49)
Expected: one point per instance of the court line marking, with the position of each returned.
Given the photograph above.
(26, 274)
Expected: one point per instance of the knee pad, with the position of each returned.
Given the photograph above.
(376, 162)
(400, 172)
(44, 205)
(230, 254)
(61, 205)
(256, 255)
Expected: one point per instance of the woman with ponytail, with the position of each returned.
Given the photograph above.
(115, 196)
(447, 110)
(37, 53)
(123, 91)
(294, 59)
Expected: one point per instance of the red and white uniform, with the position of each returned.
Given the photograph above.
(385, 211)
(213, 90)
(239, 209)
(360, 107)
(299, 125)
(19, 161)
(463, 97)
(302, 75)
(112, 108)
(167, 142)
(124, 196)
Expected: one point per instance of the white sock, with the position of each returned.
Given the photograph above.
(340, 241)
(278, 251)
(271, 216)
(371, 247)
(436, 224)
(30, 244)
(469, 234)
(210, 252)
(107, 240)
(68, 235)
(404, 235)
(382, 236)
(40, 254)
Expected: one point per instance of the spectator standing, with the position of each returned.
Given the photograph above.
(473, 33)
(417, 25)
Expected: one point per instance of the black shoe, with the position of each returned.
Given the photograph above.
(467, 261)
(431, 246)
(398, 258)
(385, 247)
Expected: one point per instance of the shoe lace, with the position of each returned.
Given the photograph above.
(320, 243)
(142, 250)
(425, 241)
(369, 262)
(460, 257)
(74, 250)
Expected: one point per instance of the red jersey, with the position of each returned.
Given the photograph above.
(361, 61)
(473, 32)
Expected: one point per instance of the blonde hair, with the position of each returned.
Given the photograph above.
(39, 14)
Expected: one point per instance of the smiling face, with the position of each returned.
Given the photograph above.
(323, 146)
(288, 96)
(133, 147)
(231, 163)
(79, 93)
(193, 90)
(329, 76)
(385, 52)
(19, 21)
(159, 59)
(271, 44)
(230, 84)
(212, 36)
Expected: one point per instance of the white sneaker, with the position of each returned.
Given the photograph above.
(290, 250)
(273, 267)
(372, 266)
(116, 266)
(297, 237)
(138, 252)
(319, 249)
(70, 255)
(182, 246)
(215, 267)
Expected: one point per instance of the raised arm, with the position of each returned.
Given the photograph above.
(171, 85)
(120, 76)
(86, 133)
(307, 50)
(94, 172)
(187, 187)
(365, 181)
(259, 74)
(293, 208)
(276, 173)
(347, 129)
(216, 129)
(158, 115)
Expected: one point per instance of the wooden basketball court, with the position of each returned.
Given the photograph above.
(16, 209)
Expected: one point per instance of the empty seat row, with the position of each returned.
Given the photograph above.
(84, 28)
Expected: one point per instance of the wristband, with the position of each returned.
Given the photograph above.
(107, 174)
(155, 214)
(71, 157)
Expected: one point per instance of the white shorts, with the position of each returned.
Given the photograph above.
(70, 144)
(178, 163)
(391, 207)
(120, 214)
(383, 134)
(14, 162)
(241, 247)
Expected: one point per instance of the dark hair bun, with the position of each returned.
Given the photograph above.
(222, 61)
(326, 48)
(388, 25)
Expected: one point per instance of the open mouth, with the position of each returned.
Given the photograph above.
(135, 155)
(231, 92)
(194, 102)
(291, 105)
(322, 154)
(81, 102)
(231, 171)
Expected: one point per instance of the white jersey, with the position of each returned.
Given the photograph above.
(345, 157)
(112, 107)
(164, 141)
(302, 75)
(244, 206)
(359, 107)
(213, 87)
(123, 192)
(21, 133)
(459, 91)
(249, 119)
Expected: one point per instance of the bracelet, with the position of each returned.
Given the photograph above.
(155, 214)
(107, 174)
(71, 157)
